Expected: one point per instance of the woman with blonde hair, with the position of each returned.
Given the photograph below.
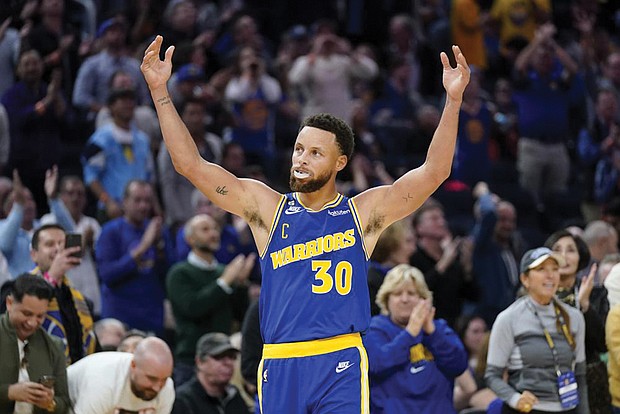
(414, 359)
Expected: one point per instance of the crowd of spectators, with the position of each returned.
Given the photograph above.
(537, 163)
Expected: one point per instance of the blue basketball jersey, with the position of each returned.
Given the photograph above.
(314, 270)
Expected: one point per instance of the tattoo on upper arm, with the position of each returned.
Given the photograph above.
(221, 190)
(163, 101)
(407, 198)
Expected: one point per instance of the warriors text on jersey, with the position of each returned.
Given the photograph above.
(314, 273)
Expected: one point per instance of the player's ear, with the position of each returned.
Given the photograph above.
(341, 162)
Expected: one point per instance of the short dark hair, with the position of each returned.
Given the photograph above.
(329, 123)
(37, 232)
(137, 182)
(31, 285)
(582, 247)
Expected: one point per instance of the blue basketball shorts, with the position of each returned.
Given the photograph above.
(314, 377)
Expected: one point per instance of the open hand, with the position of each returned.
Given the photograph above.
(455, 79)
(156, 72)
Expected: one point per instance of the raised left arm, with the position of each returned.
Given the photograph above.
(381, 206)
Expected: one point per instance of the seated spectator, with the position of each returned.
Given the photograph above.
(395, 246)
(472, 331)
(110, 333)
(444, 260)
(539, 341)
(133, 253)
(117, 382)
(115, 154)
(130, 340)
(28, 352)
(413, 358)
(210, 390)
(206, 296)
(69, 315)
(605, 266)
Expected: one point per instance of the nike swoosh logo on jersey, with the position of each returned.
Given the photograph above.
(415, 370)
(293, 210)
(342, 366)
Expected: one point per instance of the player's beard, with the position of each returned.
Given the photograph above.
(309, 186)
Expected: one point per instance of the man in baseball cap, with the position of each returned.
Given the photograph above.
(210, 390)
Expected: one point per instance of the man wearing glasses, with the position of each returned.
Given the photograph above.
(33, 376)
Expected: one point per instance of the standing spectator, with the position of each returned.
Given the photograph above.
(144, 116)
(116, 154)
(83, 277)
(10, 43)
(407, 42)
(206, 296)
(5, 140)
(516, 21)
(444, 260)
(57, 39)
(28, 353)
(598, 142)
(468, 23)
(612, 329)
(91, 89)
(472, 160)
(132, 261)
(578, 293)
(391, 116)
(547, 87)
(117, 382)
(324, 76)
(209, 391)
(497, 245)
(413, 357)
(69, 315)
(252, 97)
(176, 190)
(37, 114)
(16, 231)
(540, 342)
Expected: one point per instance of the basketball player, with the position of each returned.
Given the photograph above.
(314, 244)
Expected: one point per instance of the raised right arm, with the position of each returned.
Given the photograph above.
(250, 199)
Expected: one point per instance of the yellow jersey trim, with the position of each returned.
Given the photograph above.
(329, 204)
(358, 224)
(312, 348)
(274, 222)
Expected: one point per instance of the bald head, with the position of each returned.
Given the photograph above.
(151, 368)
(154, 352)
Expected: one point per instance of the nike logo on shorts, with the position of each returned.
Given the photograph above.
(342, 366)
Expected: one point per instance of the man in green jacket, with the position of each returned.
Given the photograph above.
(33, 375)
(206, 296)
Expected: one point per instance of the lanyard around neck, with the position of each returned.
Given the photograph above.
(550, 342)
